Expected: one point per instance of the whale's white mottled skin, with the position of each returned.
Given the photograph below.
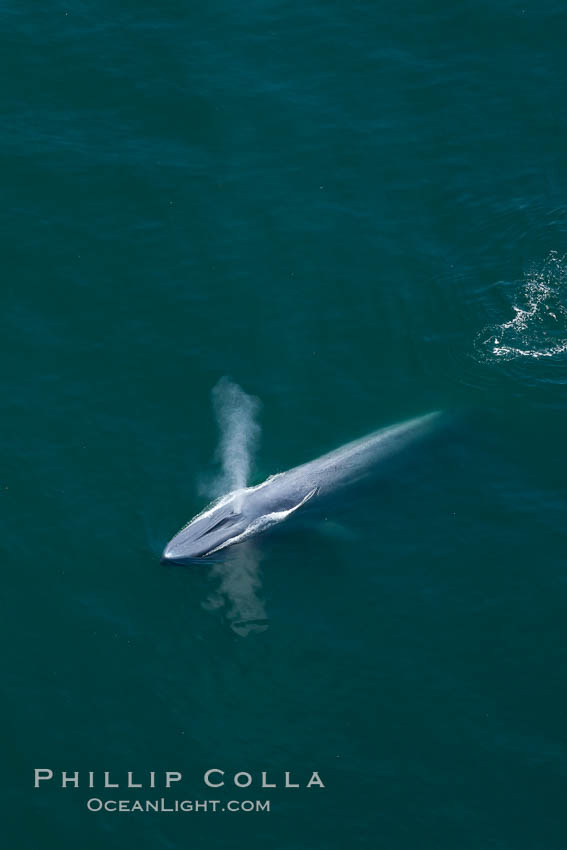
(244, 513)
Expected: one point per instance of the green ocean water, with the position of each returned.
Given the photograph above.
(358, 212)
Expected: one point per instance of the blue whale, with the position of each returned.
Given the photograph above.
(247, 512)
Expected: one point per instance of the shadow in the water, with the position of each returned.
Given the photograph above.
(238, 588)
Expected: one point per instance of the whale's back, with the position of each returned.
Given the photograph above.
(356, 460)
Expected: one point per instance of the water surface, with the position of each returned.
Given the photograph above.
(338, 205)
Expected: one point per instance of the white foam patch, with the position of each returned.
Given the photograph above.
(539, 327)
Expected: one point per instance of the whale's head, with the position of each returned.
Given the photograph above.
(234, 518)
(213, 529)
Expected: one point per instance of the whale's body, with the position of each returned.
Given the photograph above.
(245, 513)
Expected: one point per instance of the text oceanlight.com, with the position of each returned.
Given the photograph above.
(95, 804)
